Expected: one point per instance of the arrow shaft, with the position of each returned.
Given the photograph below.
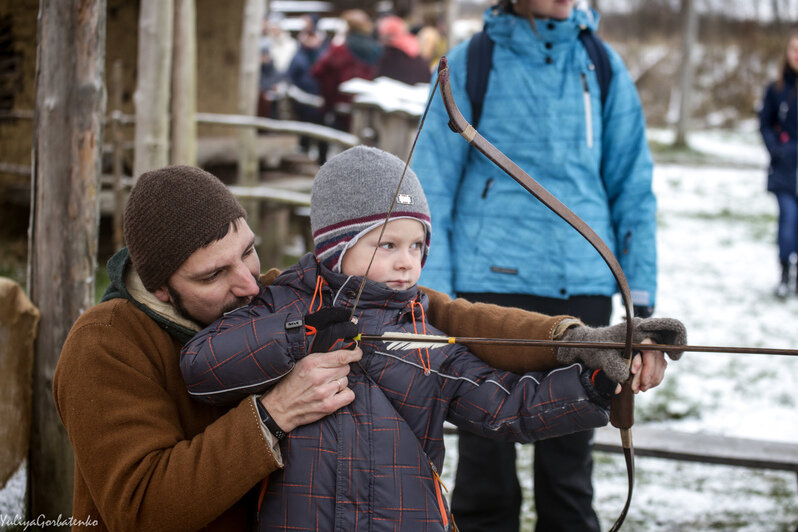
(428, 338)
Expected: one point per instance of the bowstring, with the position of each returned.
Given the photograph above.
(395, 196)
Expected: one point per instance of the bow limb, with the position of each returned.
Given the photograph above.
(622, 409)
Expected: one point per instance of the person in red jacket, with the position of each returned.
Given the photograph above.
(401, 58)
(352, 55)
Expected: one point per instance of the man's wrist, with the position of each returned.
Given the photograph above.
(268, 420)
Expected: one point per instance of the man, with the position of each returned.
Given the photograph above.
(147, 456)
(546, 107)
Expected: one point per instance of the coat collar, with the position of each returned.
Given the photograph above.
(126, 284)
(342, 289)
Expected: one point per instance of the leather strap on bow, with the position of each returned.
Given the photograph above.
(622, 409)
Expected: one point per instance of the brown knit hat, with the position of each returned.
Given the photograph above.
(172, 212)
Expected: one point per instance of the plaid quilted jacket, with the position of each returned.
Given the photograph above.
(372, 465)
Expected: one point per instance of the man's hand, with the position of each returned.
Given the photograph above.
(315, 388)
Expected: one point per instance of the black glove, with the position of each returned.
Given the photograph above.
(643, 311)
(600, 388)
(659, 330)
(331, 325)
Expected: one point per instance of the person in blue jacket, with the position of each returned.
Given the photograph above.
(305, 93)
(496, 243)
(778, 123)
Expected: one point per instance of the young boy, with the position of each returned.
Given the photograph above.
(373, 464)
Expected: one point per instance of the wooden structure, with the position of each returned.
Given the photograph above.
(697, 447)
(386, 112)
(18, 321)
(67, 149)
(705, 448)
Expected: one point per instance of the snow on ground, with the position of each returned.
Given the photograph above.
(718, 267)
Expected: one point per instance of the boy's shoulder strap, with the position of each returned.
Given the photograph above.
(479, 58)
(600, 58)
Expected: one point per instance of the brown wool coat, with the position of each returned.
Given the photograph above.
(147, 457)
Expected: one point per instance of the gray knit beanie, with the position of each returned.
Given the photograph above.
(171, 213)
(352, 193)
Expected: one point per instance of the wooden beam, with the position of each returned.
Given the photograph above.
(706, 448)
(281, 126)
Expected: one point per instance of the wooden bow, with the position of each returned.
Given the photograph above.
(622, 408)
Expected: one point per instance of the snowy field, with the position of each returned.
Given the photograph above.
(718, 267)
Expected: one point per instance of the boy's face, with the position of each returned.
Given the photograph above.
(398, 259)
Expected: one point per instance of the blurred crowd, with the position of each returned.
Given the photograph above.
(306, 71)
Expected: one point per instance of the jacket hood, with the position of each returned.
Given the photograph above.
(364, 48)
(516, 32)
(125, 284)
(789, 76)
(344, 288)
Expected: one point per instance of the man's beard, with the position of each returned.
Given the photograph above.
(177, 302)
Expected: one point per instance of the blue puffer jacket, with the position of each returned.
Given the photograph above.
(370, 465)
(543, 110)
(778, 123)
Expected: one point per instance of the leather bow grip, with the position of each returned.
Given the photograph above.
(622, 410)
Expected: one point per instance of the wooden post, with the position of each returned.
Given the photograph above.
(152, 86)
(117, 143)
(184, 84)
(248, 87)
(66, 157)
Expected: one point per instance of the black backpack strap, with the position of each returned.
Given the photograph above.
(600, 59)
(479, 58)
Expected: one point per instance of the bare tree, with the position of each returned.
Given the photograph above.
(689, 34)
(776, 12)
(153, 85)
(64, 220)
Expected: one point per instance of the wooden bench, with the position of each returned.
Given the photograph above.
(696, 447)
(706, 448)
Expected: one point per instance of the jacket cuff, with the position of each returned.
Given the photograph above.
(563, 325)
(595, 395)
(271, 439)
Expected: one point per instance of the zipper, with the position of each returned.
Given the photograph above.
(436, 479)
(588, 111)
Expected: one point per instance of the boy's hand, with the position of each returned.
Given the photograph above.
(330, 326)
